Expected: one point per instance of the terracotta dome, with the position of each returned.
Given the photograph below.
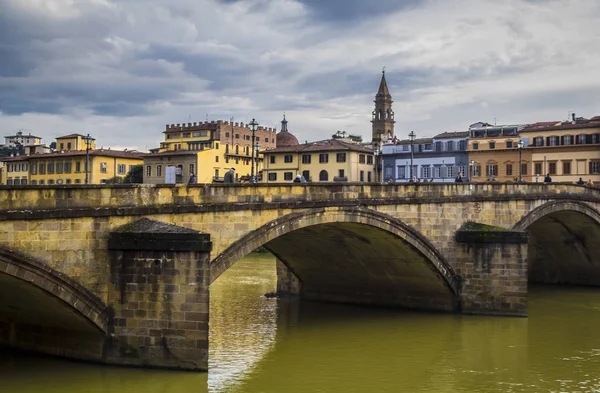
(284, 137)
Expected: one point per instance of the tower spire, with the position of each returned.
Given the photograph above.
(383, 115)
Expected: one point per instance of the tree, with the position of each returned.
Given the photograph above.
(135, 175)
(53, 146)
(114, 180)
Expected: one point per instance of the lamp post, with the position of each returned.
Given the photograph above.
(87, 139)
(471, 164)
(376, 160)
(537, 177)
(253, 127)
(412, 136)
(256, 149)
(520, 145)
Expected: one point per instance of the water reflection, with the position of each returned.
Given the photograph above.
(267, 345)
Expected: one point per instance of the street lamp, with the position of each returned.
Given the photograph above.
(537, 177)
(257, 149)
(253, 127)
(412, 136)
(376, 160)
(471, 164)
(87, 139)
(520, 146)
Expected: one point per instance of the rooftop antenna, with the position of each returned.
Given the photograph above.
(190, 118)
(207, 117)
(494, 121)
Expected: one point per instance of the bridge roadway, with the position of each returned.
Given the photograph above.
(121, 274)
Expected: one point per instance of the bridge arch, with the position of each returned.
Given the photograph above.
(352, 215)
(17, 271)
(564, 243)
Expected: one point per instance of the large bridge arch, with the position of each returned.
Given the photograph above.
(27, 282)
(564, 243)
(354, 220)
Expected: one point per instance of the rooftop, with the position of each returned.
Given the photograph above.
(454, 134)
(324, 145)
(75, 153)
(579, 123)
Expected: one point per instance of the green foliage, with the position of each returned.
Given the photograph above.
(135, 175)
(114, 180)
(53, 146)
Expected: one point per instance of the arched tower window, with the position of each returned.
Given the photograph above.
(323, 176)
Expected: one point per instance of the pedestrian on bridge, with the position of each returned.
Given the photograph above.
(548, 179)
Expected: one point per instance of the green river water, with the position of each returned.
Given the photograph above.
(278, 345)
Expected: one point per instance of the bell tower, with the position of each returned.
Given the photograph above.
(383, 115)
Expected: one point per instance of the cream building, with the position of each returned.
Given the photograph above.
(566, 150)
(208, 150)
(323, 161)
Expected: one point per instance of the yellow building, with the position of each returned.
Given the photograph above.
(68, 165)
(208, 150)
(323, 161)
(566, 151)
(494, 154)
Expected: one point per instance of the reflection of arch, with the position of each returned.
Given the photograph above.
(323, 176)
(294, 221)
(57, 284)
(553, 207)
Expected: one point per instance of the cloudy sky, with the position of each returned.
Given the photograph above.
(121, 69)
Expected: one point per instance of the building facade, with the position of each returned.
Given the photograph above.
(566, 150)
(208, 150)
(20, 139)
(494, 154)
(437, 159)
(330, 160)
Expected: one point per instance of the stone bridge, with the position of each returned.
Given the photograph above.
(121, 274)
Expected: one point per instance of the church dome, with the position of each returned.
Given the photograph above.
(284, 137)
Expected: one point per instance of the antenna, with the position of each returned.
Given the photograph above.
(207, 117)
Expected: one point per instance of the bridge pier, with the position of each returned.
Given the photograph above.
(160, 280)
(287, 282)
(492, 264)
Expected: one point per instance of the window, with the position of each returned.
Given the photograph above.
(237, 136)
(216, 173)
(362, 175)
(34, 182)
(538, 168)
(567, 168)
(103, 167)
(216, 158)
(306, 158)
(428, 146)
(237, 149)
(62, 146)
(323, 176)
(438, 146)
(369, 177)
(67, 166)
(226, 149)
(42, 168)
(492, 145)
(476, 170)
(340, 157)
(288, 175)
(401, 172)
(425, 171)
(202, 133)
(186, 134)
(272, 176)
(553, 141)
(59, 167)
(594, 167)
(192, 168)
(68, 145)
(68, 181)
(78, 166)
(475, 146)
(9, 181)
(266, 140)
(509, 144)
(50, 181)
(437, 171)
(121, 169)
(9, 167)
(567, 140)
(552, 168)
(361, 158)
(508, 169)
(450, 171)
(59, 181)
(24, 167)
(491, 170)
(50, 168)
(323, 159)
(341, 173)
(226, 134)
(370, 160)
(17, 167)
(462, 145)
(450, 146)
(41, 182)
(217, 145)
(272, 159)
(33, 169)
(523, 169)
(148, 170)
(17, 182)
(306, 175)
(538, 141)
(288, 158)
(581, 139)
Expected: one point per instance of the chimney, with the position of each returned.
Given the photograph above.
(573, 117)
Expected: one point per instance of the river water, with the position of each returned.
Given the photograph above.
(269, 345)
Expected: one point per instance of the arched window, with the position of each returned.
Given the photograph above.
(323, 176)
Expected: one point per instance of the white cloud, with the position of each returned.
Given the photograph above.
(120, 70)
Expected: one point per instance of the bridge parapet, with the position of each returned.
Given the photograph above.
(147, 198)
